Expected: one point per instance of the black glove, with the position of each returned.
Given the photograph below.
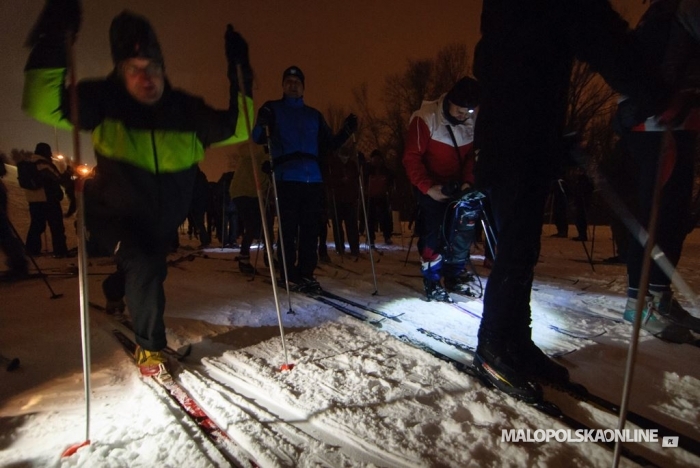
(236, 48)
(350, 124)
(56, 20)
(237, 54)
(361, 158)
(267, 167)
(266, 118)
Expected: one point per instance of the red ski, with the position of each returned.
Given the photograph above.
(180, 396)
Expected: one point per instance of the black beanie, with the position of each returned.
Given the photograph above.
(43, 149)
(294, 71)
(130, 36)
(465, 93)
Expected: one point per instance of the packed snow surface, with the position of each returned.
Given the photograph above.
(357, 394)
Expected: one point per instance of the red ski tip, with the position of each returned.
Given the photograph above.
(287, 367)
(74, 448)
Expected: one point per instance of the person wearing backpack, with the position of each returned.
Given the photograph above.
(41, 181)
(439, 161)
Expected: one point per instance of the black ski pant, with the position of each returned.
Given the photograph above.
(252, 226)
(346, 216)
(323, 227)
(675, 207)
(143, 272)
(196, 219)
(42, 213)
(11, 245)
(517, 207)
(230, 231)
(434, 221)
(300, 212)
(379, 213)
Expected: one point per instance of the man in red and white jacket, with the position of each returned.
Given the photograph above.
(439, 161)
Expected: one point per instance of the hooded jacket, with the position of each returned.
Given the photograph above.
(146, 155)
(430, 157)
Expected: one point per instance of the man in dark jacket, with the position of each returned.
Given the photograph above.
(148, 139)
(299, 139)
(44, 201)
(523, 62)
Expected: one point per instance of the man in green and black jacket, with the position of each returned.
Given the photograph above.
(148, 139)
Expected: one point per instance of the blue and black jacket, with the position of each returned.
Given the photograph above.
(300, 138)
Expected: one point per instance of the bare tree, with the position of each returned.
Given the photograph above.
(452, 63)
(371, 126)
(590, 106)
(335, 116)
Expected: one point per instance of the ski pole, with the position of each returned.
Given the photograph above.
(589, 256)
(337, 235)
(223, 217)
(26, 252)
(364, 212)
(488, 229)
(639, 234)
(643, 289)
(287, 365)
(260, 232)
(416, 213)
(279, 226)
(82, 250)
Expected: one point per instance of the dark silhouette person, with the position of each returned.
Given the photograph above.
(523, 62)
(44, 201)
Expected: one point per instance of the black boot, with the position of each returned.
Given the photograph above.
(537, 365)
(462, 284)
(435, 292)
(244, 265)
(498, 368)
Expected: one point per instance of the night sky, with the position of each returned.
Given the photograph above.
(338, 44)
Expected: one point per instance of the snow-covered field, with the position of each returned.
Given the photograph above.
(357, 396)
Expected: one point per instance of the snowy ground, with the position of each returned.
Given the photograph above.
(356, 395)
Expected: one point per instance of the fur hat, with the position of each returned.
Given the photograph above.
(43, 149)
(131, 35)
(294, 71)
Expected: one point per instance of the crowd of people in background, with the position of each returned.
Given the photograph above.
(491, 147)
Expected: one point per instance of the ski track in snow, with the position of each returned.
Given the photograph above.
(356, 396)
